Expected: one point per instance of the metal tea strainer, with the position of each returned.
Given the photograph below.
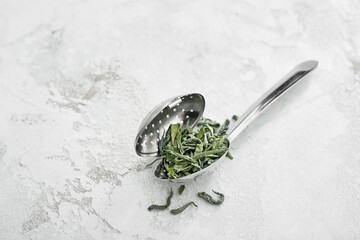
(190, 108)
(174, 110)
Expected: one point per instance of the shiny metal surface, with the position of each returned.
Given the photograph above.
(253, 112)
(270, 96)
(180, 109)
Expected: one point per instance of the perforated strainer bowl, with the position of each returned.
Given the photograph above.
(180, 109)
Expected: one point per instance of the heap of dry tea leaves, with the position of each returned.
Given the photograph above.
(184, 150)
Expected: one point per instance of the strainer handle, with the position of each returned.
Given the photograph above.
(270, 96)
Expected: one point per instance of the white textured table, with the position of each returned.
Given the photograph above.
(77, 78)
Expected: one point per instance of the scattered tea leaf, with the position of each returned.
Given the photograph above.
(181, 209)
(162, 207)
(156, 159)
(181, 189)
(229, 155)
(235, 117)
(210, 200)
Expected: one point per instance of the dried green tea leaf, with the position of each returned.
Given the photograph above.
(235, 117)
(229, 155)
(162, 207)
(181, 189)
(156, 159)
(223, 129)
(212, 123)
(181, 209)
(174, 131)
(164, 141)
(170, 170)
(204, 154)
(186, 158)
(200, 133)
(199, 148)
(210, 200)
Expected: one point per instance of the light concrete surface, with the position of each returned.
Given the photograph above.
(78, 77)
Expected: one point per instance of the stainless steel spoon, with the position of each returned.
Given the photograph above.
(190, 108)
